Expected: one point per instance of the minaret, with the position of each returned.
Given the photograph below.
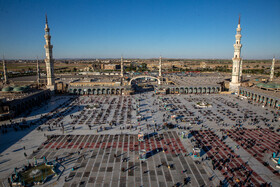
(160, 66)
(272, 70)
(240, 71)
(49, 59)
(6, 81)
(236, 60)
(122, 67)
(38, 72)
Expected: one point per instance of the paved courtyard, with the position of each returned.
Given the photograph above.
(113, 160)
(95, 139)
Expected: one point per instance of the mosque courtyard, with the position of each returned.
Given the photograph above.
(95, 140)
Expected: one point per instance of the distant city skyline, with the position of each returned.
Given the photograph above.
(140, 29)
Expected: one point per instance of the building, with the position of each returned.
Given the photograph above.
(111, 67)
(122, 67)
(160, 67)
(262, 93)
(18, 99)
(272, 70)
(5, 72)
(236, 60)
(49, 58)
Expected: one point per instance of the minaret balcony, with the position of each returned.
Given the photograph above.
(238, 46)
(236, 59)
(48, 46)
(47, 37)
(238, 35)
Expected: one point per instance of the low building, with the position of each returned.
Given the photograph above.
(16, 101)
(111, 67)
(262, 93)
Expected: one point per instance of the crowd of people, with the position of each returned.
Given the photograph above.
(224, 159)
(101, 113)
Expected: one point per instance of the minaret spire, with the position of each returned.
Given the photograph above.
(236, 60)
(160, 66)
(272, 69)
(6, 81)
(49, 59)
(239, 20)
(46, 19)
(122, 67)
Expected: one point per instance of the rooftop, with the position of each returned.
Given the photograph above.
(261, 91)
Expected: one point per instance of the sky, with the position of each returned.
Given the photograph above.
(140, 28)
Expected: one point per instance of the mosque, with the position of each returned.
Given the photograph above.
(15, 99)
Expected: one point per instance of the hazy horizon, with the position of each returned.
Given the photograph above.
(164, 58)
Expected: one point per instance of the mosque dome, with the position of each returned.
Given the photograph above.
(7, 89)
(25, 87)
(270, 85)
(18, 89)
(260, 84)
